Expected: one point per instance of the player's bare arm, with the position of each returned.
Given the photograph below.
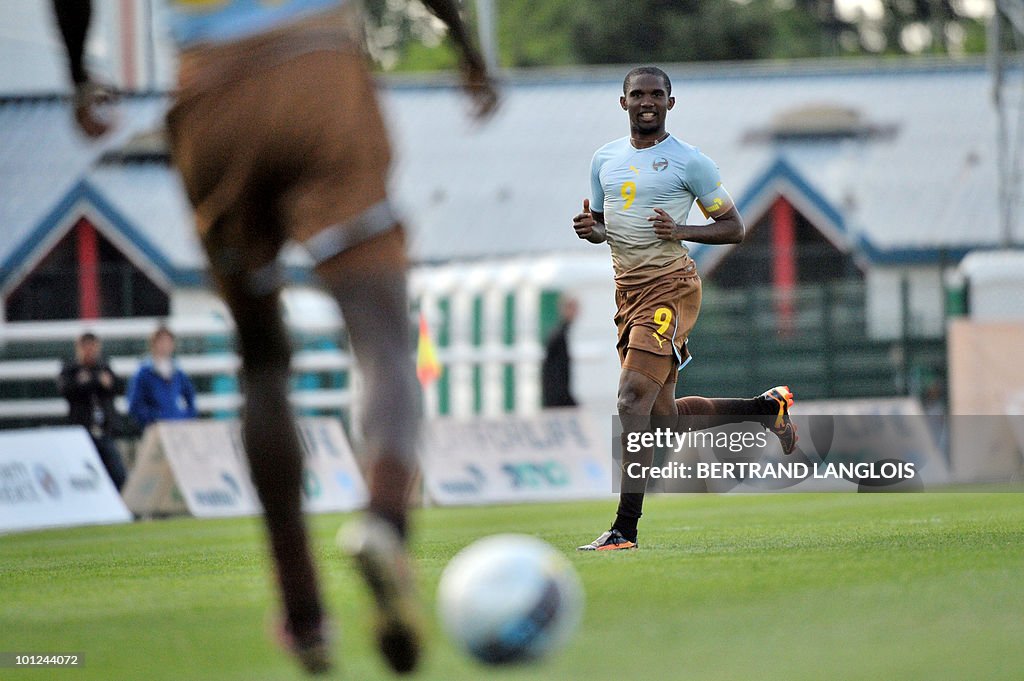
(727, 228)
(589, 224)
(73, 19)
(475, 80)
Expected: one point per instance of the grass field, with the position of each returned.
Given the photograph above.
(822, 587)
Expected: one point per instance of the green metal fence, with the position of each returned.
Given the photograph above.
(821, 348)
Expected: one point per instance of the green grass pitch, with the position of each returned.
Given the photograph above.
(816, 587)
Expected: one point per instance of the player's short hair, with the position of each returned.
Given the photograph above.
(88, 337)
(647, 71)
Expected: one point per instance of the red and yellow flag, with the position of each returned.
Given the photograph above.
(428, 369)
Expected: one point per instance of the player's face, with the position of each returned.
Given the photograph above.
(647, 102)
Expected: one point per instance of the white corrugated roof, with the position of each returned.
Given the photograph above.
(42, 157)
(151, 194)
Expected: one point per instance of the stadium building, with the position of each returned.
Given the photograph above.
(863, 185)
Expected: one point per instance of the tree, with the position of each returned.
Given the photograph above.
(691, 30)
(403, 35)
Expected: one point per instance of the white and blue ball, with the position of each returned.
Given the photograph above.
(510, 598)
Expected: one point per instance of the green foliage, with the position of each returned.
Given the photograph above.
(535, 32)
(564, 32)
(669, 31)
(415, 56)
(976, 38)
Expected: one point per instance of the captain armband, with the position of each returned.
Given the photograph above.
(715, 202)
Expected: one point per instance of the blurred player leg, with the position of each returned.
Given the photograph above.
(273, 448)
(369, 283)
(228, 166)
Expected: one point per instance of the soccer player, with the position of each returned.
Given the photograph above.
(276, 131)
(642, 188)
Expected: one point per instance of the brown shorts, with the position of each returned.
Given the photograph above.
(289, 146)
(657, 319)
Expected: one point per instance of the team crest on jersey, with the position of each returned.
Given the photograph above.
(660, 164)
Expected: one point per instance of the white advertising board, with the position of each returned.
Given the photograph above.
(200, 467)
(53, 477)
(557, 455)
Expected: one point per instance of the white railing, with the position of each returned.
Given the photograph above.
(588, 277)
(138, 328)
(208, 403)
(194, 365)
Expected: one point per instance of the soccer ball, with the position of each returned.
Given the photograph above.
(510, 598)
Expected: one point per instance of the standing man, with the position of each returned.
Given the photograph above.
(642, 188)
(276, 131)
(556, 371)
(90, 386)
(160, 390)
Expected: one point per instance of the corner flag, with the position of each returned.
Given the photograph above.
(428, 369)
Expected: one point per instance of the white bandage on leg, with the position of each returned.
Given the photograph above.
(342, 236)
(266, 280)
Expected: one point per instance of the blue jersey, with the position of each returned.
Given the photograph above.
(195, 22)
(627, 184)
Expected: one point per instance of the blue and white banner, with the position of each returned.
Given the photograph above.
(554, 456)
(53, 477)
(201, 467)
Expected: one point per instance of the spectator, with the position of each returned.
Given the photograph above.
(556, 374)
(160, 390)
(89, 386)
(934, 403)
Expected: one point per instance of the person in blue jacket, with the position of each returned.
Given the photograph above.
(160, 390)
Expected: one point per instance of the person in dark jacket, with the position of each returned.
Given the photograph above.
(89, 386)
(556, 372)
(160, 390)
